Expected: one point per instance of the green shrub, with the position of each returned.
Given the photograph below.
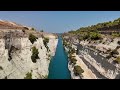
(64, 43)
(11, 50)
(94, 36)
(73, 60)
(109, 50)
(28, 76)
(103, 43)
(45, 77)
(85, 36)
(112, 40)
(72, 50)
(34, 54)
(117, 47)
(5, 77)
(77, 51)
(118, 42)
(47, 48)
(94, 47)
(33, 29)
(117, 60)
(32, 38)
(116, 34)
(1, 68)
(78, 70)
(46, 41)
(100, 41)
(41, 31)
(23, 30)
(109, 56)
(49, 57)
(114, 52)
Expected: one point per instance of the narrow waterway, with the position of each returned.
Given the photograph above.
(58, 68)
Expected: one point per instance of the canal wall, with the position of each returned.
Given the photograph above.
(87, 74)
(16, 54)
(95, 59)
(96, 53)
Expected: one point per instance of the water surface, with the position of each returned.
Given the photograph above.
(58, 68)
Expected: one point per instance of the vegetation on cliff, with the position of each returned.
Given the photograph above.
(78, 70)
(93, 32)
(28, 75)
(32, 38)
(46, 41)
(101, 26)
(34, 54)
(72, 60)
(1, 68)
(118, 59)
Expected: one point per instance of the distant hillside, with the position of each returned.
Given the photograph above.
(104, 28)
(11, 25)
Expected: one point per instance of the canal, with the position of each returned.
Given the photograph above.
(58, 68)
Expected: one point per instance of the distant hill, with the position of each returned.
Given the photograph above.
(11, 25)
(104, 28)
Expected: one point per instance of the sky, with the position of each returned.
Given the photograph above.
(58, 21)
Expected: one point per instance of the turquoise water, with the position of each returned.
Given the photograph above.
(58, 68)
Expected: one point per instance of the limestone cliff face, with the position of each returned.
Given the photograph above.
(15, 57)
(92, 57)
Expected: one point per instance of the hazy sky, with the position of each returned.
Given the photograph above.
(58, 21)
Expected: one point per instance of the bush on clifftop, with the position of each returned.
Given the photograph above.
(78, 70)
(32, 38)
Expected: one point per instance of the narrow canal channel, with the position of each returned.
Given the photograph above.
(58, 68)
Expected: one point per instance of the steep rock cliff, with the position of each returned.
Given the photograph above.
(16, 52)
